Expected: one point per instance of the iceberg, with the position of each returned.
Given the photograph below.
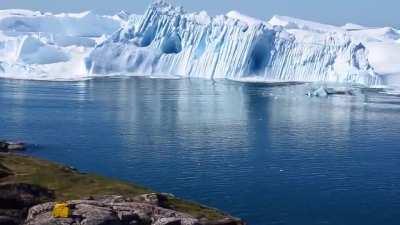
(36, 45)
(381, 45)
(167, 41)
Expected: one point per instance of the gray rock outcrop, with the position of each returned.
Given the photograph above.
(112, 210)
(17, 198)
(8, 146)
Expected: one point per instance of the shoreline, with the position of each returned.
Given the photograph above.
(66, 184)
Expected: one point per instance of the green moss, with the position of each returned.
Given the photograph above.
(70, 184)
(67, 183)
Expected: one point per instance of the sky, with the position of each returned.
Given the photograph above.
(336, 12)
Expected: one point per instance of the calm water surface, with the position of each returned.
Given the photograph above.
(264, 153)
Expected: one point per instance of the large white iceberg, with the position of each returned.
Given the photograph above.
(167, 41)
(35, 45)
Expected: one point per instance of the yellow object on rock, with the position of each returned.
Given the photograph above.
(61, 210)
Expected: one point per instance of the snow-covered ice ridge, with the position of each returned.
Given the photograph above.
(36, 45)
(167, 41)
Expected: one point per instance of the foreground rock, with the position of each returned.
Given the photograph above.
(4, 172)
(22, 195)
(8, 146)
(17, 198)
(113, 210)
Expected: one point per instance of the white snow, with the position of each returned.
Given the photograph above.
(36, 45)
(250, 21)
(382, 45)
(72, 24)
(352, 26)
(320, 92)
(294, 23)
(166, 41)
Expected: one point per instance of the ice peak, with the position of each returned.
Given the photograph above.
(19, 13)
(353, 26)
(294, 23)
(165, 7)
(250, 21)
(77, 15)
(123, 15)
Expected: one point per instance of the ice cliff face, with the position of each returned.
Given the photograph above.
(167, 41)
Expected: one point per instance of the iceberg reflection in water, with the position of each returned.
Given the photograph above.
(264, 152)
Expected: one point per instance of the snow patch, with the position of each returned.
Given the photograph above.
(294, 23)
(352, 27)
(250, 21)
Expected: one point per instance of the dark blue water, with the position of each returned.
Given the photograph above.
(264, 153)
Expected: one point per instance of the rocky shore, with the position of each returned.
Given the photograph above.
(30, 187)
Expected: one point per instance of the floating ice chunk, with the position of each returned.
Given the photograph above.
(320, 92)
(324, 91)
